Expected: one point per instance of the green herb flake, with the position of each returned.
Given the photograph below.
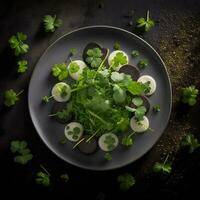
(156, 108)
(11, 97)
(59, 71)
(51, 23)
(116, 46)
(126, 181)
(135, 53)
(22, 66)
(72, 52)
(143, 63)
(64, 177)
(73, 67)
(108, 156)
(190, 141)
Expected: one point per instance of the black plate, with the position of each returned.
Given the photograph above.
(41, 83)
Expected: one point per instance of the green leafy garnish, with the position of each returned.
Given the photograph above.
(135, 53)
(190, 141)
(189, 95)
(72, 52)
(24, 154)
(43, 178)
(146, 24)
(17, 43)
(137, 101)
(94, 57)
(127, 140)
(65, 177)
(116, 46)
(156, 108)
(59, 71)
(119, 59)
(51, 23)
(22, 66)
(136, 88)
(164, 167)
(73, 67)
(108, 156)
(117, 77)
(10, 97)
(143, 63)
(139, 113)
(119, 95)
(126, 181)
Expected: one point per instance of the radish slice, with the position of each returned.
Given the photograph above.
(61, 92)
(140, 126)
(73, 131)
(108, 142)
(152, 83)
(77, 70)
(111, 57)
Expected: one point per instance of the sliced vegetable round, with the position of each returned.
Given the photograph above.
(76, 68)
(88, 147)
(131, 70)
(73, 131)
(61, 92)
(152, 83)
(62, 112)
(140, 126)
(108, 142)
(121, 59)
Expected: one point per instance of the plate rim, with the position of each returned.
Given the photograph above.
(35, 124)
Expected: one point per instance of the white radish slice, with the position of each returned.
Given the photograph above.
(111, 57)
(108, 142)
(58, 95)
(73, 131)
(152, 83)
(140, 126)
(81, 65)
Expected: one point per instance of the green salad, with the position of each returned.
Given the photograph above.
(100, 98)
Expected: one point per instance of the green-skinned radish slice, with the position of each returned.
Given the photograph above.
(73, 131)
(152, 83)
(114, 54)
(75, 68)
(131, 70)
(86, 146)
(108, 142)
(141, 126)
(61, 92)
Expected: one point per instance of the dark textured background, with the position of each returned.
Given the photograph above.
(175, 36)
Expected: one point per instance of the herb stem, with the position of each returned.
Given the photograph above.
(78, 143)
(166, 159)
(20, 92)
(52, 115)
(98, 117)
(45, 170)
(92, 136)
(147, 15)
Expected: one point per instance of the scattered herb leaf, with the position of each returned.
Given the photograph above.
(135, 53)
(156, 108)
(65, 177)
(59, 71)
(94, 57)
(10, 97)
(116, 46)
(143, 63)
(22, 66)
(51, 23)
(190, 141)
(126, 181)
(108, 156)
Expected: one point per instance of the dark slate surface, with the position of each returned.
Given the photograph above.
(15, 123)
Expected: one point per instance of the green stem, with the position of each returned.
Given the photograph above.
(45, 170)
(147, 15)
(52, 115)
(166, 159)
(92, 136)
(76, 89)
(152, 130)
(19, 92)
(78, 143)
(98, 117)
(131, 134)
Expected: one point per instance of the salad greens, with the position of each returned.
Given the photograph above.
(17, 43)
(51, 23)
(21, 148)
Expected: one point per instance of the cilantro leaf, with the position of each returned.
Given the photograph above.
(116, 46)
(119, 95)
(137, 101)
(72, 52)
(10, 97)
(73, 67)
(20, 147)
(190, 141)
(60, 71)
(136, 88)
(94, 57)
(147, 23)
(22, 66)
(65, 177)
(189, 95)
(135, 53)
(140, 112)
(117, 77)
(17, 43)
(126, 181)
(51, 23)
(43, 179)
(127, 140)
(108, 156)
(164, 167)
(143, 63)
(156, 108)
(119, 59)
